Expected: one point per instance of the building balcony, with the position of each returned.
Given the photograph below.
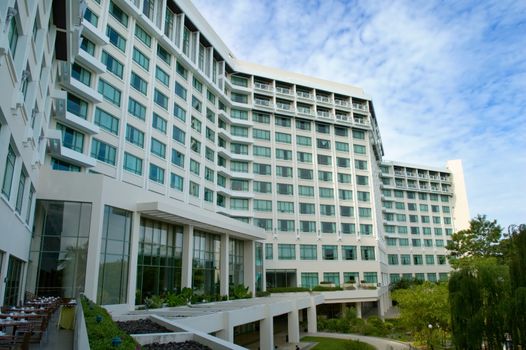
(361, 292)
(57, 150)
(90, 62)
(266, 104)
(234, 193)
(80, 89)
(342, 103)
(324, 114)
(93, 33)
(359, 107)
(324, 99)
(263, 87)
(304, 95)
(284, 91)
(60, 113)
(305, 111)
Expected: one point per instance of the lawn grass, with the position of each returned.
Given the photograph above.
(337, 344)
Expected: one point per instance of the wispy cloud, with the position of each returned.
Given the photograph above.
(448, 80)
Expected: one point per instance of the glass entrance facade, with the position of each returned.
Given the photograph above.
(114, 256)
(236, 262)
(59, 248)
(206, 268)
(13, 280)
(160, 259)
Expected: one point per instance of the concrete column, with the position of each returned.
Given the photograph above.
(294, 326)
(188, 249)
(227, 333)
(134, 253)
(312, 321)
(224, 264)
(249, 270)
(381, 310)
(358, 309)
(266, 333)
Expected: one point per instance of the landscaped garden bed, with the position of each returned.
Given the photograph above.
(187, 345)
(143, 326)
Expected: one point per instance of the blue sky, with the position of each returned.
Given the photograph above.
(448, 80)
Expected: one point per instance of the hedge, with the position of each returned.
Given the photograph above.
(101, 334)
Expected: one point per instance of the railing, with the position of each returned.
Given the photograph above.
(283, 91)
(324, 114)
(262, 86)
(411, 174)
(342, 117)
(401, 173)
(341, 103)
(284, 106)
(360, 121)
(323, 99)
(359, 106)
(304, 110)
(261, 102)
(304, 94)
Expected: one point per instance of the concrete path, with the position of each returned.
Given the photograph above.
(378, 343)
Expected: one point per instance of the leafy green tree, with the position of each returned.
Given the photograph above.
(479, 296)
(423, 305)
(517, 263)
(481, 239)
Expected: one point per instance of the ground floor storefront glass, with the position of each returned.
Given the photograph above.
(13, 281)
(59, 248)
(114, 256)
(205, 265)
(236, 262)
(259, 266)
(281, 278)
(159, 260)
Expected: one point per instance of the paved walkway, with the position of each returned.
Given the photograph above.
(378, 343)
(55, 339)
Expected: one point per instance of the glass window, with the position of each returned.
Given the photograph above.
(158, 148)
(132, 164)
(162, 76)
(109, 92)
(286, 225)
(118, 14)
(106, 121)
(367, 253)
(71, 138)
(180, 91)
(286, 251)
(179, 112)
(176, 182)
(103, 151)
(136, 109)
(142, 35)
(116, 39)
(164, 55)
(329, 252)
(138, 83)
(141, 59)
(134, 136)
(332, 277)
(156, 173)
(159, 123)
(308, 252)
(112, 64)
(178, 134)
(112, 287)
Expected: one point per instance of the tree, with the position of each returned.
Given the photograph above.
(479, 296)
(481, 239)
(423, 305)
(517, 263)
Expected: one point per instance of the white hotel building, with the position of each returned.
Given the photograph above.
(138, 155)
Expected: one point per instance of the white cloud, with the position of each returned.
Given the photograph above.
(447, 81)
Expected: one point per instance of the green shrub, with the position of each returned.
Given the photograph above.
(325, 289)
(288, 289)
(262, 293)
(154, 302)
(239, 292)
(100, 334)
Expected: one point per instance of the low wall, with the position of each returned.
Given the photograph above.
(80, 337)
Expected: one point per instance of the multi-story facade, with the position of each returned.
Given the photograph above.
(158, 160)
(422, 207)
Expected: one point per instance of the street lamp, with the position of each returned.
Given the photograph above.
(429, 346)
